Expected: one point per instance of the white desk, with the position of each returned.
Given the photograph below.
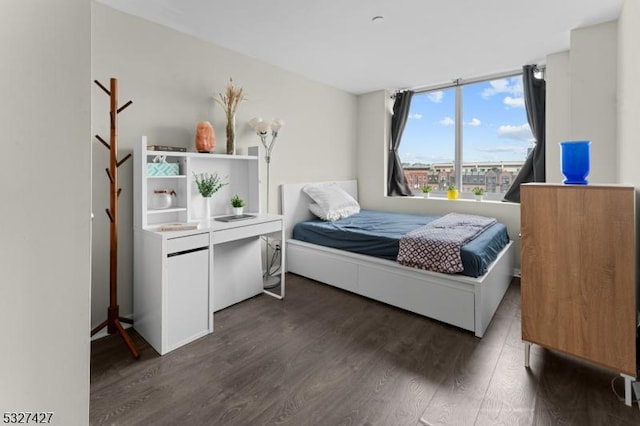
(183, 277)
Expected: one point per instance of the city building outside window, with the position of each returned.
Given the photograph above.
(471, 134)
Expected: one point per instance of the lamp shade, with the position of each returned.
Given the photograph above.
(277, 124)
(254, 121)
(262, 127)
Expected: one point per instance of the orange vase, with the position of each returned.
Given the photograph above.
(205, 137)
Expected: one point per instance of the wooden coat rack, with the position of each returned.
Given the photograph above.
(114, 320)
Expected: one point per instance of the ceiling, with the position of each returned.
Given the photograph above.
(419, 42)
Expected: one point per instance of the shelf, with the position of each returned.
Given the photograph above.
(167, 153)
(171, 210)
(225, 157)
(192, 154)
(167, 177)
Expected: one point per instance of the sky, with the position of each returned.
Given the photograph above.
(494, 121)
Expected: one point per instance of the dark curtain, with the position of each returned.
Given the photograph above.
(533, 169)
(396, 182)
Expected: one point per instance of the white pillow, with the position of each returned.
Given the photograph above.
(317, 211)
(334, 201)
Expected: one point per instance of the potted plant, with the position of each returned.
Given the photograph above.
(426, 190)
(478, 192)
(452, 192)
(237, 203)
(208, 184)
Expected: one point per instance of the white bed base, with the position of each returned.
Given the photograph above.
(462, 301)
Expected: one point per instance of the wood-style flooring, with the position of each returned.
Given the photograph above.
(328, 357)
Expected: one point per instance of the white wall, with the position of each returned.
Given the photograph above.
(45, 210)
(373, 144)
(172, 78)
(593, 60)
(558, 111)
(629, 94)
(373, 124)
(582, 93)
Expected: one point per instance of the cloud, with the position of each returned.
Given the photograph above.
(447, 121)
(503, 149)
(415, 116)
(513, 102)
(435, 96)
(512, 86)
(521, 133)
(474, 122)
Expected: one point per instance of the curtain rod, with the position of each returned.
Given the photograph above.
(460, 81)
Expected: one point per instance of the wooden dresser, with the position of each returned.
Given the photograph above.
(579, 272)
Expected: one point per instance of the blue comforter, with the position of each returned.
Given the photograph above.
(377, 233)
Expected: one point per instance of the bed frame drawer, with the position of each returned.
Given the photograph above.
(404, 287)
(445, 303)
(329, 269)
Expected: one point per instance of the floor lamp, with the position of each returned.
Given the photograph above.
(262, 129)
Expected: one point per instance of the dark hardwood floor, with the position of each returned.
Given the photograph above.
(327, 357)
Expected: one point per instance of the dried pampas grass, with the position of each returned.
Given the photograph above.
(231, 98)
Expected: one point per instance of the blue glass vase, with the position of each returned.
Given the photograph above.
(575, 161)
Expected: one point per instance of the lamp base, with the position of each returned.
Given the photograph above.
(271, 281)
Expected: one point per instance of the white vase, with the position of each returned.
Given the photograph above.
(161, 199)
(237, 211)
(479, 197)
(206, 217)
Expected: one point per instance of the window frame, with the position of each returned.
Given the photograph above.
(458, 84)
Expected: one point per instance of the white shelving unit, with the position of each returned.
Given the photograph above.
(241, 172)
(182, 277)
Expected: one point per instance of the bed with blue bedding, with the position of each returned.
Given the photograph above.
(358, 254)
(377, 233)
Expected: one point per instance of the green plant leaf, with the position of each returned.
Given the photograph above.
(208, 183)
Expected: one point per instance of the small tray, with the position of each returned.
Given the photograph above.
(235, 217)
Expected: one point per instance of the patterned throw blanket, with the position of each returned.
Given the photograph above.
(436, 245)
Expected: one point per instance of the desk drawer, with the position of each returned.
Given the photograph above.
(240, 232)
(187, 243)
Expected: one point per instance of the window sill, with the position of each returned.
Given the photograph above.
(438, 198)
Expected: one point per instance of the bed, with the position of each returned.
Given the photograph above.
(464, 301)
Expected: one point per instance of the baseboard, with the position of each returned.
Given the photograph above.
(516, 272)
(103, 333)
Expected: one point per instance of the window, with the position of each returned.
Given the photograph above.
(429, 147)
(472, 132)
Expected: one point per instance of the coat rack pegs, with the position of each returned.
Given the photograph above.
(105, 143)
(119, 163)
(102, 87)
(110, 217)
(124, 106)
(109, 175)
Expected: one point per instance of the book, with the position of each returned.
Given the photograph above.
(166, 148)
(177, 226)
